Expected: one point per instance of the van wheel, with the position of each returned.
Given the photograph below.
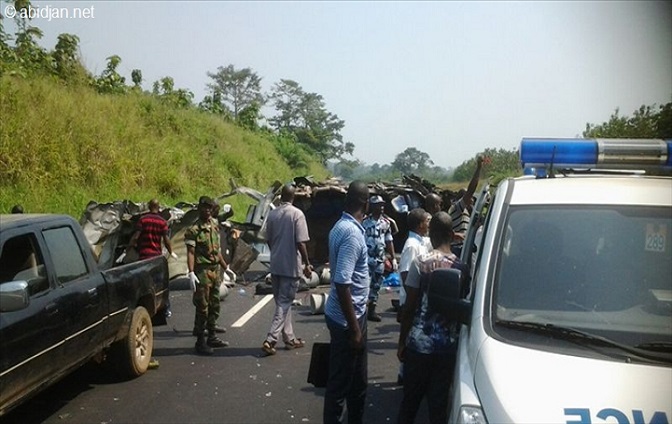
(133, 353)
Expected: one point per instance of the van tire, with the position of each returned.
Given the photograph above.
(132, 354)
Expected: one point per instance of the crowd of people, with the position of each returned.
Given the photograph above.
(360, 247)
(361, 252)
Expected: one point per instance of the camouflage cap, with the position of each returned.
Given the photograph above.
(206, 201)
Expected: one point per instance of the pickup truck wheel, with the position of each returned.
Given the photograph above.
(135, 351)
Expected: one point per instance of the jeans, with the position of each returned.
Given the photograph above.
(346, 387)
(431, 376)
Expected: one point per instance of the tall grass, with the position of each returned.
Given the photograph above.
(61, 147)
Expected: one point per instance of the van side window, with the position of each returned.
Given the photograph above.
(63, 245)
(21, 260)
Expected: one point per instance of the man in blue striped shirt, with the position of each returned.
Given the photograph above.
(345, 311)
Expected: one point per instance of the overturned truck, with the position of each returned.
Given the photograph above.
(109, 226)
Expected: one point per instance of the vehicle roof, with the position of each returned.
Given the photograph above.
(593, 190)
(19, 219)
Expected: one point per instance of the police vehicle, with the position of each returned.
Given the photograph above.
(568, 317)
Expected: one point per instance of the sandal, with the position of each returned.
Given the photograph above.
(268, 348)
(294, 344)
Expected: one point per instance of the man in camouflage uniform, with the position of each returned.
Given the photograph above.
(378, 233)
(204, 258)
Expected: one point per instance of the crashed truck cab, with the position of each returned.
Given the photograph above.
(568, 316)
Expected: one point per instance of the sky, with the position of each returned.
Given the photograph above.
(449, 78)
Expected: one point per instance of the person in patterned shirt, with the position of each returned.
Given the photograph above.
(427, 341)
(204, 257)
(378, 233)
(150, 230)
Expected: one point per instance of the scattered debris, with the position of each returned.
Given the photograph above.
(109, 226)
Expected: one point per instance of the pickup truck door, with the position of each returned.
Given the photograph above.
(83, 299)
(31, 339)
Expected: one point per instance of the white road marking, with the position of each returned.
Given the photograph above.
(256, 308)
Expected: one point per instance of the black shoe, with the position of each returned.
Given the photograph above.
(371, 314)
(218, 329)
(214, 341)
(202, 347)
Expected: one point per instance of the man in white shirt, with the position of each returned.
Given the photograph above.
(417, 244)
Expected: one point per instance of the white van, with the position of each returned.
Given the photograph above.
(569, 312)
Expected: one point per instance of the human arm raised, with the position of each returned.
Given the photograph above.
(473, 184)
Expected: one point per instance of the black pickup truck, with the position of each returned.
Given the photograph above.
(59, 309)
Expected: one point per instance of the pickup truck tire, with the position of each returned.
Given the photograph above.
(131, 355)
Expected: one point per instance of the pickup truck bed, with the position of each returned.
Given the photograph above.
(58, 309)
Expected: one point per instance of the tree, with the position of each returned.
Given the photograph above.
(411, 161)
(305, 115)
(165, 90)
(65, 57)
(497, 164)
(235, 89)
(287, 96)
(346, 168)
(645, 122)
(249, 117)
(27, 55)
(213, 104)
(110, 81)
(136, 77)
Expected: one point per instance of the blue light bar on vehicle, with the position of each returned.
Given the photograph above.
(595, 153)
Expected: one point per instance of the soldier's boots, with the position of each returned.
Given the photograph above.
(218, 329)
(214, 341)
(371, 314)
(202, 347)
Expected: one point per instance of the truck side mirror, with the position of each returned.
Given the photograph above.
(14, 296)
(444, 295)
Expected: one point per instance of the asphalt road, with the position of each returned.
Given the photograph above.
(238, 384)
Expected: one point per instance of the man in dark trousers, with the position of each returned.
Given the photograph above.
(286, 235)
(428, 341)
(345, 311)
(150, 230)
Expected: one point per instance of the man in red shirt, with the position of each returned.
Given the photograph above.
(150, 230)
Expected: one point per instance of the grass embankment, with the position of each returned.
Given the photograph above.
(62, 146)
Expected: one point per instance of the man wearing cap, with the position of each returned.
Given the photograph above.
(378, 233)
(204, 258)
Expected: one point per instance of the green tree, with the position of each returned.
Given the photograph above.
(305, 115)
(346, 168)
(235, 89)
(646, 122)
(110, 81)
(286, 96)
(412, 161)
(66, 60)
(28, 56)
(136, 77)
(165, 90)
(249, 117)
(497, 164)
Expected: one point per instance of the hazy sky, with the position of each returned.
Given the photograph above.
(449, 78)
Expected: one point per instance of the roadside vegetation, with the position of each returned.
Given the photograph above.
(68, 137)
